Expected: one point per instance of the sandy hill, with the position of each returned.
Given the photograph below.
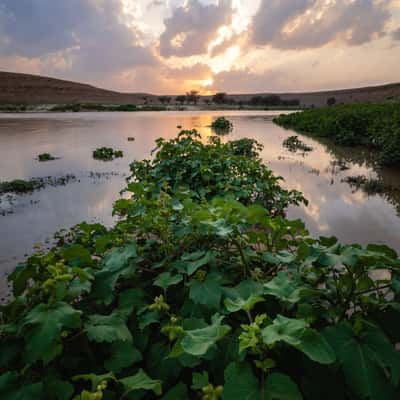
(33, 89)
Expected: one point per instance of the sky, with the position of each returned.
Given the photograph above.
(236, 46)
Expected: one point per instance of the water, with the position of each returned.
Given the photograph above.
(334, 207)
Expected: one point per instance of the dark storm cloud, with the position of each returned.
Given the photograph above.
(90, 33)
(291, 24)
(197, 24)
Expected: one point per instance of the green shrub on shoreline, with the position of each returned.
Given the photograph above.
(222, 125)
(374, 125)
(202, 289)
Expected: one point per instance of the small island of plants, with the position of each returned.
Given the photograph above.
(46, 157)
(222, 124)
(202, 289)
(294, 144)
(107, 154)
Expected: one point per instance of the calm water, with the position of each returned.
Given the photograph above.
(334, 209)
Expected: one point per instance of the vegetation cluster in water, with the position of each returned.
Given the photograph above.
(222, 124)
(294, 144)
(107, 154)
(374, 125)
(46, 157)
(202, 289)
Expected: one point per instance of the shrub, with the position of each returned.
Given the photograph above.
(222, 125)
(107, 154)
(45, 157)
(199, 291)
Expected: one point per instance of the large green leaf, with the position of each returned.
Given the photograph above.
(141, 381)
(77, 256)
(207, 293)
(198, 341)
(286, 288)
(196, 260)
(243, 296)
(123, 354)
(178, 392)
(361, 362)
(166, 279)
(296, 332)
(240, 383)
(117, 263)
(107, 328)
(42, 327)
(281, 387)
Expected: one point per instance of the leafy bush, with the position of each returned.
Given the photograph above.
(107, 154)
(194, 294)
(293, 143)
(45, 157)
(221, 124)
(17, 186)
(375, 125)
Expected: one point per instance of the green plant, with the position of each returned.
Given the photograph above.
(293, 144)
(222, 125)
(202, 291)
(107, 154)
(45, 157)
(373, 125)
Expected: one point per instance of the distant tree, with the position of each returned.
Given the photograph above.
(193, 96)
(219, 98)
(331, 101)
(207, 101)
(164, 99)
(180, 99)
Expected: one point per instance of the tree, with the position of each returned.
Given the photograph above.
(165, 99)
(219, 98)
(193, 96)
(181, 98)
(331, 101)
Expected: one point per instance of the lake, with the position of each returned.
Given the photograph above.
(335, 208)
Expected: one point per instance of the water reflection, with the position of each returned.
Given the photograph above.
(334, 209)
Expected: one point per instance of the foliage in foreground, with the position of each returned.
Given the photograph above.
(202, 291)
(375, 125)
(107, 154)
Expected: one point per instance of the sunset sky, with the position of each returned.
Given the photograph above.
(170, 46)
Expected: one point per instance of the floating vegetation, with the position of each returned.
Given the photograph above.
(222, 125)
(374, 125)
(107, 154)
(368, 185)
(46, 157)
(294, 144)
(21, 186)
(131, 139)
(179, 126)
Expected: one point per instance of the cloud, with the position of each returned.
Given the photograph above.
(191, 28)
(296, 24)
(87, 38)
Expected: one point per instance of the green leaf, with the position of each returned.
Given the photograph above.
(236, 304)
(107, 328)
(199, 380)
(284, 329)
(360, 363)
(42, 327)
(141, 381)
(196, 260)
(165, 280)
(94, 379)
(296, 333)
(118, 262)
(240, 383)
(281, 387)
(286, 288)
(77, 256)
(178, 392)
(198, 341)
(123, 354)
(207, 293)
(57, 389)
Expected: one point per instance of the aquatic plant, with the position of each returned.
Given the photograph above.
(293, 144)
(202, 289)
(222, 124)
(107, 154)
(131, 139)
(373, 125)
(45, 157)
(368, 185)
